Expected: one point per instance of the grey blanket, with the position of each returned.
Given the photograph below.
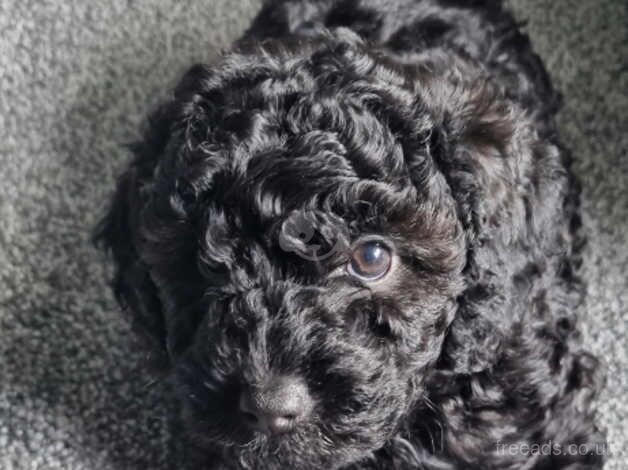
(76, 78)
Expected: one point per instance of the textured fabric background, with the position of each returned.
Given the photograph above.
(76, 78)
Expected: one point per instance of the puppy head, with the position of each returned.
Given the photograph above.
(288, 246)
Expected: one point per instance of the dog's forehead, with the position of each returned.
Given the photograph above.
(279, 161)
(255, 151)
(287, 190)
(314, 171)
(312, 186)
(306, 122)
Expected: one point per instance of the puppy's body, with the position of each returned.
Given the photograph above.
(426, 124)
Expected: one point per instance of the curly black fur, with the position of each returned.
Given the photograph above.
(429, 123)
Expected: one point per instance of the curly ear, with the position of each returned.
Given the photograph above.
(133, 288)
(148, 232)
(511, 191)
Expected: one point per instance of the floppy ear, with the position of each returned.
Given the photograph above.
(133, 287)
(488, 152)
(119, 233)
(149, 233)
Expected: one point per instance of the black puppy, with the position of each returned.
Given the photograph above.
(351, 244)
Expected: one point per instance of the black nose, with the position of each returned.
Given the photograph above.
(277, 407)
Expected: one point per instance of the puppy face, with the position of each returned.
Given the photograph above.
(289, 243)
(353, 328)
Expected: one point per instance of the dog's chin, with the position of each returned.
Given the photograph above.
(293, 451)
(305, 449)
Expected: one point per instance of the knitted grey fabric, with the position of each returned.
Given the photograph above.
(76, 79)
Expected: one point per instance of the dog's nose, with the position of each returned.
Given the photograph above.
(277, 407)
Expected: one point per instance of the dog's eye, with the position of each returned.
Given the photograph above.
(370, 260)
